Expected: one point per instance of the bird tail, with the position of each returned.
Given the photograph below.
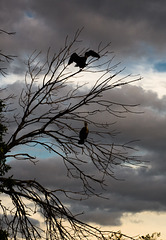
(81, 141)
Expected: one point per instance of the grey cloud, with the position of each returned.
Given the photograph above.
(130, 25)
(141, 191)
(101, 216)
(148, 126)
(52, 173)
(143, 188)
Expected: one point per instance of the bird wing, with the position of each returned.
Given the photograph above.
(92, 53)
(73, 58)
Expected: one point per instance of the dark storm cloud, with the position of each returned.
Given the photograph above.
(143, 188)
(134, 27)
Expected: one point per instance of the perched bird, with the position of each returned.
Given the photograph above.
(83, 133)
(81, 60)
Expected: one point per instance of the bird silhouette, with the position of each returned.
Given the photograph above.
(83, 133)
(81, 60)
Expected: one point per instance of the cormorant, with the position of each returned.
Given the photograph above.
(81, 60)
(83, 133)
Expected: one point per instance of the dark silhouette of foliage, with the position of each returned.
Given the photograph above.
(3, 147)
(3, 234)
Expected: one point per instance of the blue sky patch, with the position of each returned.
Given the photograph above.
(160, 66)
(29, 14)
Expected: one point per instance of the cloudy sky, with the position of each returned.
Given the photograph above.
(136, 29)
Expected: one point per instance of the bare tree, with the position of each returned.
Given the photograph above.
(53, 110)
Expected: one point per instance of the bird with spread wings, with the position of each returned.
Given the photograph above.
(81, 60)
